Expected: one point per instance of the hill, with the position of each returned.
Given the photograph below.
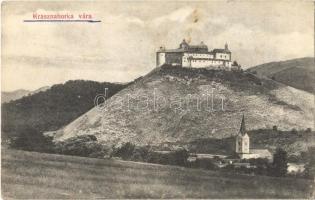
(17, 94)
(9, 96)
(52, 108)
(162, 108)
(30, 175)
(298, 73)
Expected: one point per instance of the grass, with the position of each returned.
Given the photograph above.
(33, 175)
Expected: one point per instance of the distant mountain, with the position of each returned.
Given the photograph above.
(52, 108)
(298, 73)
(162, 107)
(17, 94)
(9, 96)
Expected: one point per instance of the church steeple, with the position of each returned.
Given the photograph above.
(242, 139)
(243, 127)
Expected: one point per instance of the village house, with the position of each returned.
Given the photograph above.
(196, 56)
(295, 168)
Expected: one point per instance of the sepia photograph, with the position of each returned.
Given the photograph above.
(158, 99)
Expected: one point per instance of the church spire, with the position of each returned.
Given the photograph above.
(243, 128)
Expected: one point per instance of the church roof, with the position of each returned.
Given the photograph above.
(243, 128)
(263, 153)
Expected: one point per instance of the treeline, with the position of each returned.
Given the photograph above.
(129, 151)
(88, 146)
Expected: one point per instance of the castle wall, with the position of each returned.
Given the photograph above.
(160, 59)
(174, 58)
(196, 56)
(223, 56)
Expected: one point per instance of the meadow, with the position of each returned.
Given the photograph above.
(33, 175)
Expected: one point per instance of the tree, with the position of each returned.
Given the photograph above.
(310, 164)
(235, 63)
(179, 157)
(275, 128)
(83, 145)
(280, 163)
(30, 139)
(294, 131)
(125, 151)
(308, 130)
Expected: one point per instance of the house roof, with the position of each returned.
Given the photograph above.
(265, 153)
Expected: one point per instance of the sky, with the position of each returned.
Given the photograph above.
(122, 46)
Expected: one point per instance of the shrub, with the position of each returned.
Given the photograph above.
(308, 130)
(84, 145)
(204, 164)
(125, 151)
(178, 157)
(30, 139)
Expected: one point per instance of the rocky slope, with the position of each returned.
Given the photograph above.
(162, 107)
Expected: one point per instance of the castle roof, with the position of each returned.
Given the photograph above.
(200, 48)
(221, 51)
(243, 128)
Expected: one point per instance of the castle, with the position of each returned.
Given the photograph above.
(196, 56)
(242, 146)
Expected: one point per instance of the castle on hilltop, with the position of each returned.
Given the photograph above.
(196, 56)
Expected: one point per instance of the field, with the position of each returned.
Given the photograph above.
(35, 175)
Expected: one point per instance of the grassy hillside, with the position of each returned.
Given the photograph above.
(28, 175)
(51, 109)
(155, 109)
(298, 73)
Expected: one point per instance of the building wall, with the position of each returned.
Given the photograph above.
(160, 59)
(199, 55)
(195, 60)
(249, 156)
(200, 60)
(223, 56)
(242, 144)
(173, 58)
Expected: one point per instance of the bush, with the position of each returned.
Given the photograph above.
(178, 157)
(125, 151)
(204, 164)
(308, 130)
(84, 145)
(310, 164)
(275, 128)
(30, 139)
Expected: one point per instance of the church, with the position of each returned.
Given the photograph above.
(242, 145)
(196, 56)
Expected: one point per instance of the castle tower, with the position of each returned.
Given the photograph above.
(226, 47)
(183, 45)
(242, 140)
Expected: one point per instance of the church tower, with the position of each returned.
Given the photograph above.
(242, 140)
